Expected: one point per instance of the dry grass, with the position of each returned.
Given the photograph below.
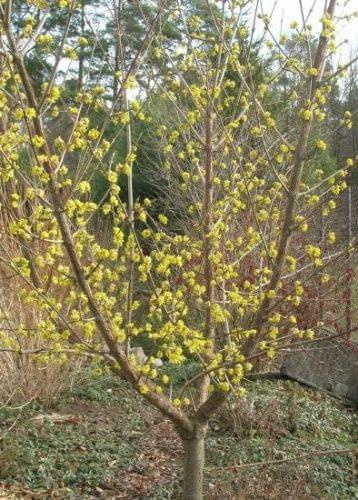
(24, 377)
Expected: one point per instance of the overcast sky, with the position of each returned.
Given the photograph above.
(288, 10)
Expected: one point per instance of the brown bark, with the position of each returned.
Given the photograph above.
(209, 331)
(194, 461)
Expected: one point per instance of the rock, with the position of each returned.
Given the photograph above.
(341, 390)
(142, 358)
(157, 363)
(140, 355)
(327, 364)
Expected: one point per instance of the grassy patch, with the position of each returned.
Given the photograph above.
(117, 445)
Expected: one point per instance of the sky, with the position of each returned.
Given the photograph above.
(286, 11)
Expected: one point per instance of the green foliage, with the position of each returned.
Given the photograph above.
(116, 427)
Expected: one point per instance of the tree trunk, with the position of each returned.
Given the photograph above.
(194, 459)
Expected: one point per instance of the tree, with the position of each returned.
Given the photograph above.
(212, 292)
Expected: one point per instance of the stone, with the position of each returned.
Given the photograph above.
(142, 358)
(140, 355)
(331, 365)
(157, 363)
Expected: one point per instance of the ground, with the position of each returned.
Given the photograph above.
(101, 441)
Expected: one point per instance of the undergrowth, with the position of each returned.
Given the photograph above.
(112, 445)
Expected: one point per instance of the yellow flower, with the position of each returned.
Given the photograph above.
(59, 142)
(321, 145)
(19, 114)
(112, 177)
(292, 319)
(275, 318)
(273, 332)
(54, 95)
(44, 39)
(30, 113)
(93, 134)
(331, 237)
(142, 217)
(306, 114)
(325, 278)
(313, 252)
(241, 391)
(83, 41)
(146, 233)
(313, 199)
(310, 333)
(291, 261)
(38, 141)
(143, 389)
(84, 187)
(163, 219)
(225, 386)
(298, 288)
(270, 353)
(70, 53)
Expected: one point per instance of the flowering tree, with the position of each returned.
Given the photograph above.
(221, 288)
